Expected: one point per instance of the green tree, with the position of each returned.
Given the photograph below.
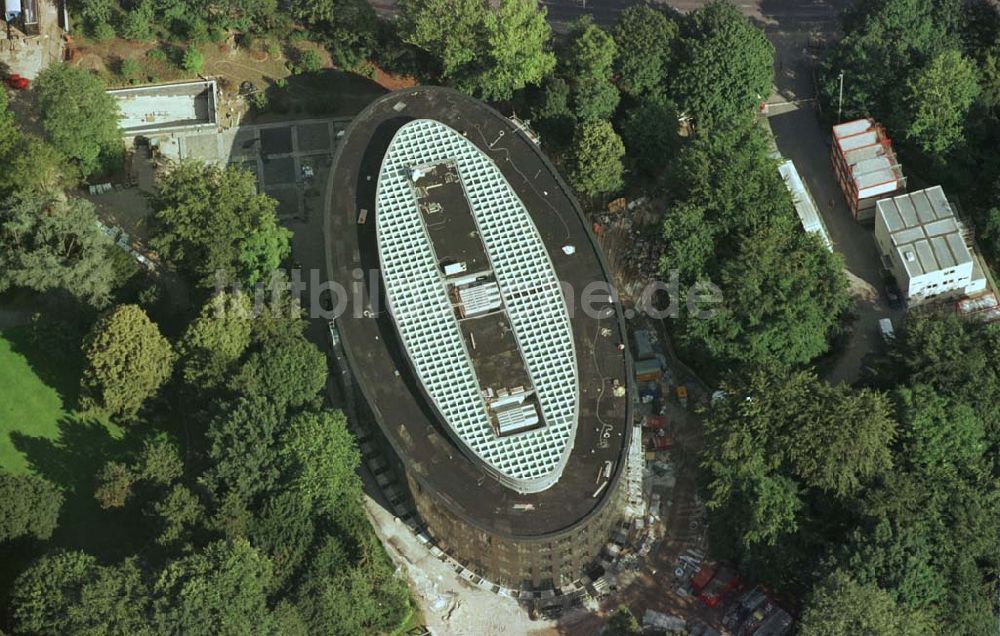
(650, 132)
(645, 38)
(589, 59)
(841, 605)
(243, 448)
(367, 597)
(310, 61)
(778, 435)
(214, 343)
(130, 69)
(726, 66)
(212, 223)
(29, 505)
(483, 48)
(940, 435)
(220, 590)
(178, 513)
(622, 623)
(782, 292)
(730, 220)
(939, 98)
(29, 163)
(288, 371)
(597, 159)
(885, 42)
(284, 531)
(68, 593)
(80, 118)
(137, 23)
(48, 242)
(114, 485)
(127, 361)
(322, 460)
(193, 61)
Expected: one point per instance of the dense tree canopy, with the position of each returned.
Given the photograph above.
(487, 49)
(731, 221)
(588, 67)
(725, 66)
(597, 159)
(939, 98)
(843, 606)
(214, 343)
(214, 225)
(80, 118)
(29, 163)
(222, 590)
(127, 360)
(645, 38)
(48, 242)
(776, 436)
(650, 132)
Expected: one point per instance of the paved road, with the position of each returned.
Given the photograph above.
(802, 138)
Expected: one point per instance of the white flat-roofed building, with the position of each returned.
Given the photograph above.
(162, 108)
(924, 244)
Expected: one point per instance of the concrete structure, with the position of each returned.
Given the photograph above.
(166, 108)
(805, 205)
(925, 246)
(866, 165)
(503, 401)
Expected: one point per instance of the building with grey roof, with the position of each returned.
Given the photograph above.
(164, 108)
(924, 245)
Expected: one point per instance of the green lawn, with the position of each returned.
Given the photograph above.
(38, 398)
(42, 431)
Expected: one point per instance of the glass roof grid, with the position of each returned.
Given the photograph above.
(538, 317)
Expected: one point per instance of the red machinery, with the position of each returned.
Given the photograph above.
(17, 82)
(724, 582)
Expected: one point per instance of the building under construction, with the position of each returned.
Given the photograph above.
(504, 399)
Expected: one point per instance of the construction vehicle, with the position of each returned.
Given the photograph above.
(682, 395)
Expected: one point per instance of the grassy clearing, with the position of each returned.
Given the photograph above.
(42, 431)
(38, 398)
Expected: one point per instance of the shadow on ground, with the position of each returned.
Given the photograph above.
(326, 93)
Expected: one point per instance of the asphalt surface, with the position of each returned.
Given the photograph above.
(801, 137)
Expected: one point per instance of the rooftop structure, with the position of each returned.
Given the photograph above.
(925, 245)
(805, 206)
(159, 108)
(866, 165)
(461, 257)
(504, 400)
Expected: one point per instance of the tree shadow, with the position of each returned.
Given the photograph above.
(72, 462)
(327, 93)
(53, 353)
